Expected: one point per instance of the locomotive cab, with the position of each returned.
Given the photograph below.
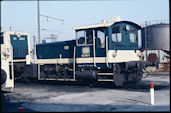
(100, 52)
(7, 74)
(109, 52)
(20, 42)
(124, 42)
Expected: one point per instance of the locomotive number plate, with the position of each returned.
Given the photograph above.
(85, 52)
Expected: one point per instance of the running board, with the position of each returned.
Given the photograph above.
(105, 80)
(105, 74)
(57, 79)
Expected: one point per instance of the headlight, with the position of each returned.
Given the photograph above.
(8, 51)
(114, 54)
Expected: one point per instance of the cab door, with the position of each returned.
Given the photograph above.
(100, 47)
(84, 49)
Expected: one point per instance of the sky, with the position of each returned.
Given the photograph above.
(22, 15)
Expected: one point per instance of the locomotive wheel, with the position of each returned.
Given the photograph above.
(3, 76)
(138, 77)
(118, 76)
(133, 78)
(138, 74)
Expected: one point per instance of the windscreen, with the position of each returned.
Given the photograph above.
(20, 46)
(2, 38)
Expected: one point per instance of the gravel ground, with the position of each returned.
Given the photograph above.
(69, 96)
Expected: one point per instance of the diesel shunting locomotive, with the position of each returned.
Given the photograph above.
(7, 72)
(100, 52)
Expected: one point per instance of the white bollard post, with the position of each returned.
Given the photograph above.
(152, 93)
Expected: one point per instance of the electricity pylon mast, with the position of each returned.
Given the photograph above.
(38, 13)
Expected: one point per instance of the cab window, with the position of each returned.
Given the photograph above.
(116, 34)
(133, 36)
(2, 39)
(84, 37)
(80, 35)
(89, 36)
(100, 39)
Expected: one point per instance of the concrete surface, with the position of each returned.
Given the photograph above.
(69, 96)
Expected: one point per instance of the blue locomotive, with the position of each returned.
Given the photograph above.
(100, 52)
(20, 42)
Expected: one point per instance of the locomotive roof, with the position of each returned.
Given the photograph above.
(16, 32)
(129, 22)
(93, 26)
(104, 25)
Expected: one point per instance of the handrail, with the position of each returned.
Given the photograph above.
(74, 63)
(107, 51)
(94, 50)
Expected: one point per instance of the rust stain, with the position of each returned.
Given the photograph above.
(152, 57)
(163, 67)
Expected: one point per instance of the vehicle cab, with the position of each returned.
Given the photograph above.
(101, 45)
(7, 73)
(109, 52)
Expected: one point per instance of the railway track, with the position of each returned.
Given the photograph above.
(47, 94)
(144, 84)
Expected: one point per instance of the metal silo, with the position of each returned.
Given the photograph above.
(157, 36)
(156, 43)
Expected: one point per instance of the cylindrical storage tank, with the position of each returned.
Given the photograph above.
(156, 42)
(157, 36)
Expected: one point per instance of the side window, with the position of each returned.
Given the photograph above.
(84, 37)
(89, 36)
(80, 35)
(100, 39)
(116, 34)
(133, 36)
(2, 39)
